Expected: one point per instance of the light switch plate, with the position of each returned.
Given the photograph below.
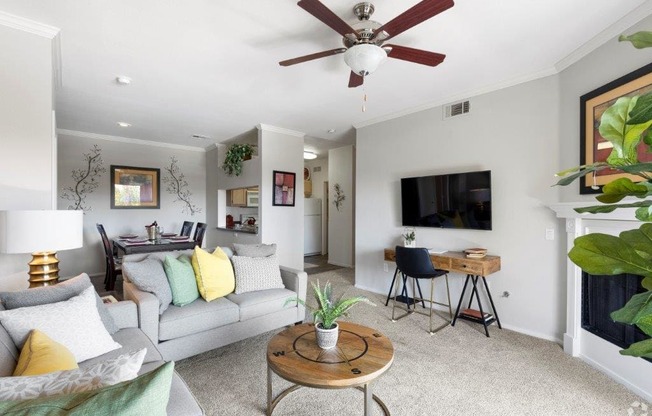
(550, 234)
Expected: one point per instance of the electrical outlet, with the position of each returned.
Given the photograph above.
(385, 268)
(550, 234)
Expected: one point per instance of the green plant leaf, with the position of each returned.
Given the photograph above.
(603, 254)
(639, 40)
(620, 188)
(642, 111)
(624, 137)
(644, 214)
(647, 283)
(627, 314)
(639, 349)
(580, 171)
(640, 240)
(605, 209)
(636, 168)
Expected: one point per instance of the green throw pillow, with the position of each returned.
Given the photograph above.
(182, 280)
(146, 395)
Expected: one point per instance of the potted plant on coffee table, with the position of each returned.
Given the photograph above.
(328, 312)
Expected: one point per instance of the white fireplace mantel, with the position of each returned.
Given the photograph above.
(634, 373)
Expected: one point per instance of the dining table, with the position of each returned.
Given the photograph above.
(124, 246)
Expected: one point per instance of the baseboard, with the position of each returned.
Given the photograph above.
(334, 263)
(632, 387)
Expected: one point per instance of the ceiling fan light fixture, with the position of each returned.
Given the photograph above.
(309, 155)
(364, 58)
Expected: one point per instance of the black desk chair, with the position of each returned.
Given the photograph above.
(186, 228)
(415, 263)
(113, 266)
(199, 233)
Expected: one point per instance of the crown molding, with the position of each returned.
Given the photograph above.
(27, 25)
(457, 97)
(629, 20)
(118, 139)
(281, 130)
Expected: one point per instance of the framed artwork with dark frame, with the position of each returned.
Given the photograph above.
(284, 188)
(595, 148)
(135, 188)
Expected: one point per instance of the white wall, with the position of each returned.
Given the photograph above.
(341, 223)
(191, 162)
(512, 132)
(281, 150)
(26, 137)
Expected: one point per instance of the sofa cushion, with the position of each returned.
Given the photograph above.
(196, 317)
(42, 355)
(213, 272)
(149, 276)
(75, 323)
(107, 373)
(262, 302)
(183, 401)
(57, 293)
(146, 395)
(254, 250)
(131, 339)
(181, 277)
(256, 273)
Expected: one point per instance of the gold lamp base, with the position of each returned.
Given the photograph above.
(43, 269)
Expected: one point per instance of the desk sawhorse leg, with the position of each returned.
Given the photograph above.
(404, 292)
(474, 281)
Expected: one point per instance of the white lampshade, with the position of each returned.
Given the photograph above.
(364, 58)
(40, 231)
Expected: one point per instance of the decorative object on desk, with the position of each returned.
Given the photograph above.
(152, 231)
(177, 185)
(41, 233)
(409, 238)
(475, 253)
(284, 188)
(235, 155)
(86, 180)
(327, 312)
(339, 198)
(134, 188)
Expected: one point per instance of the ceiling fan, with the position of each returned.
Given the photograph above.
(364, 47)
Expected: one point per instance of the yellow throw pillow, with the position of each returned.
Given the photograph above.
(214, 273)
(42, 355)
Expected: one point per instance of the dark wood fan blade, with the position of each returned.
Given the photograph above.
(413, 16)
(355, 80)
(312, 56)
(418, 56)
(323, 13)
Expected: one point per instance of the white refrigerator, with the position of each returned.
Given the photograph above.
(312, 226)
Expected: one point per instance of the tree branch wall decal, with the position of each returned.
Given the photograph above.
(86, 180)
(177, 185)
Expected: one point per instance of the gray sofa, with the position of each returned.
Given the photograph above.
(201, 326)
(181, 402)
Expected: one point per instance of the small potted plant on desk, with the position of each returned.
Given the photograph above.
(409, 238)
(328, 312)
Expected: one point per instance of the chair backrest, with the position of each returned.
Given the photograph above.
(186, 228)
(199, 233)
(106, 243)
(414, 261)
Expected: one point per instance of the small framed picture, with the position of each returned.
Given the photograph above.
(133, 188)
(284, 188)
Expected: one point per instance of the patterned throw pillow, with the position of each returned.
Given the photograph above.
(42, 355)
(148, 275)
(213, 272)
(254, 250)
(113, 371)
(181, 277)
(256, 273)
(75, 323)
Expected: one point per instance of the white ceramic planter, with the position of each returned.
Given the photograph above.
(327, 338)
(412, 243)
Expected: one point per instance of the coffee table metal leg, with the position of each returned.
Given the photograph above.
(367, 399)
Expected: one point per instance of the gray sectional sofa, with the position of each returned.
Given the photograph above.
(181, 332)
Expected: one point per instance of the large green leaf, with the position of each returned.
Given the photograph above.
(627, 314)
(642, 111)
(640, 240)
(644, 214)
(580, 171)
(639, 349)
(603, 254)
(637, 168)
(620, 188)
(605, 209)
(639, 40)
(624, 137)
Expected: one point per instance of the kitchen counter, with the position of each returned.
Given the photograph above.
(244, 229)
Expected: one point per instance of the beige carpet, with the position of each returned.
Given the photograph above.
(457, 371)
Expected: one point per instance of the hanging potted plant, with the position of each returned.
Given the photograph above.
(328, 312)
(235, 155)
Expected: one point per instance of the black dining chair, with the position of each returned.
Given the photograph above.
(186, 228)
(113, 263)
(200, 230)
(415, 263)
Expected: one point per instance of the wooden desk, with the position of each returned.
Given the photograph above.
(456, 261)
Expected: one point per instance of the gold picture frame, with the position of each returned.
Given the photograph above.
(135, 188)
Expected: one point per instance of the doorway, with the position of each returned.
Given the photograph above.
(324, 220)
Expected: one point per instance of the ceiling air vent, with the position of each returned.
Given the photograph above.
(457, 109)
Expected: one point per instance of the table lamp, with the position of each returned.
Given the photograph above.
(41, 233)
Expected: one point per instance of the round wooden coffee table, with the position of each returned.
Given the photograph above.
(362, 354)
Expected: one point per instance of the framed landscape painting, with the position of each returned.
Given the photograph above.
(135, 188)
(595, 148)
(284, 188)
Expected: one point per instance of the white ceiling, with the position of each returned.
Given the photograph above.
(211, 67)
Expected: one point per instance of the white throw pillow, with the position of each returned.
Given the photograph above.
(75, 323)
(113, 371)
(256, 273)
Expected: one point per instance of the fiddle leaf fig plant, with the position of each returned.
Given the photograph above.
(626, 124)
(235, 155)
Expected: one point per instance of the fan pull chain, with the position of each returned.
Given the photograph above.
(364, 99)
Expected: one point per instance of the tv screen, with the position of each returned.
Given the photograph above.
(458, 200)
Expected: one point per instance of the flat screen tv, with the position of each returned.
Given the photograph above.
(457, 200)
